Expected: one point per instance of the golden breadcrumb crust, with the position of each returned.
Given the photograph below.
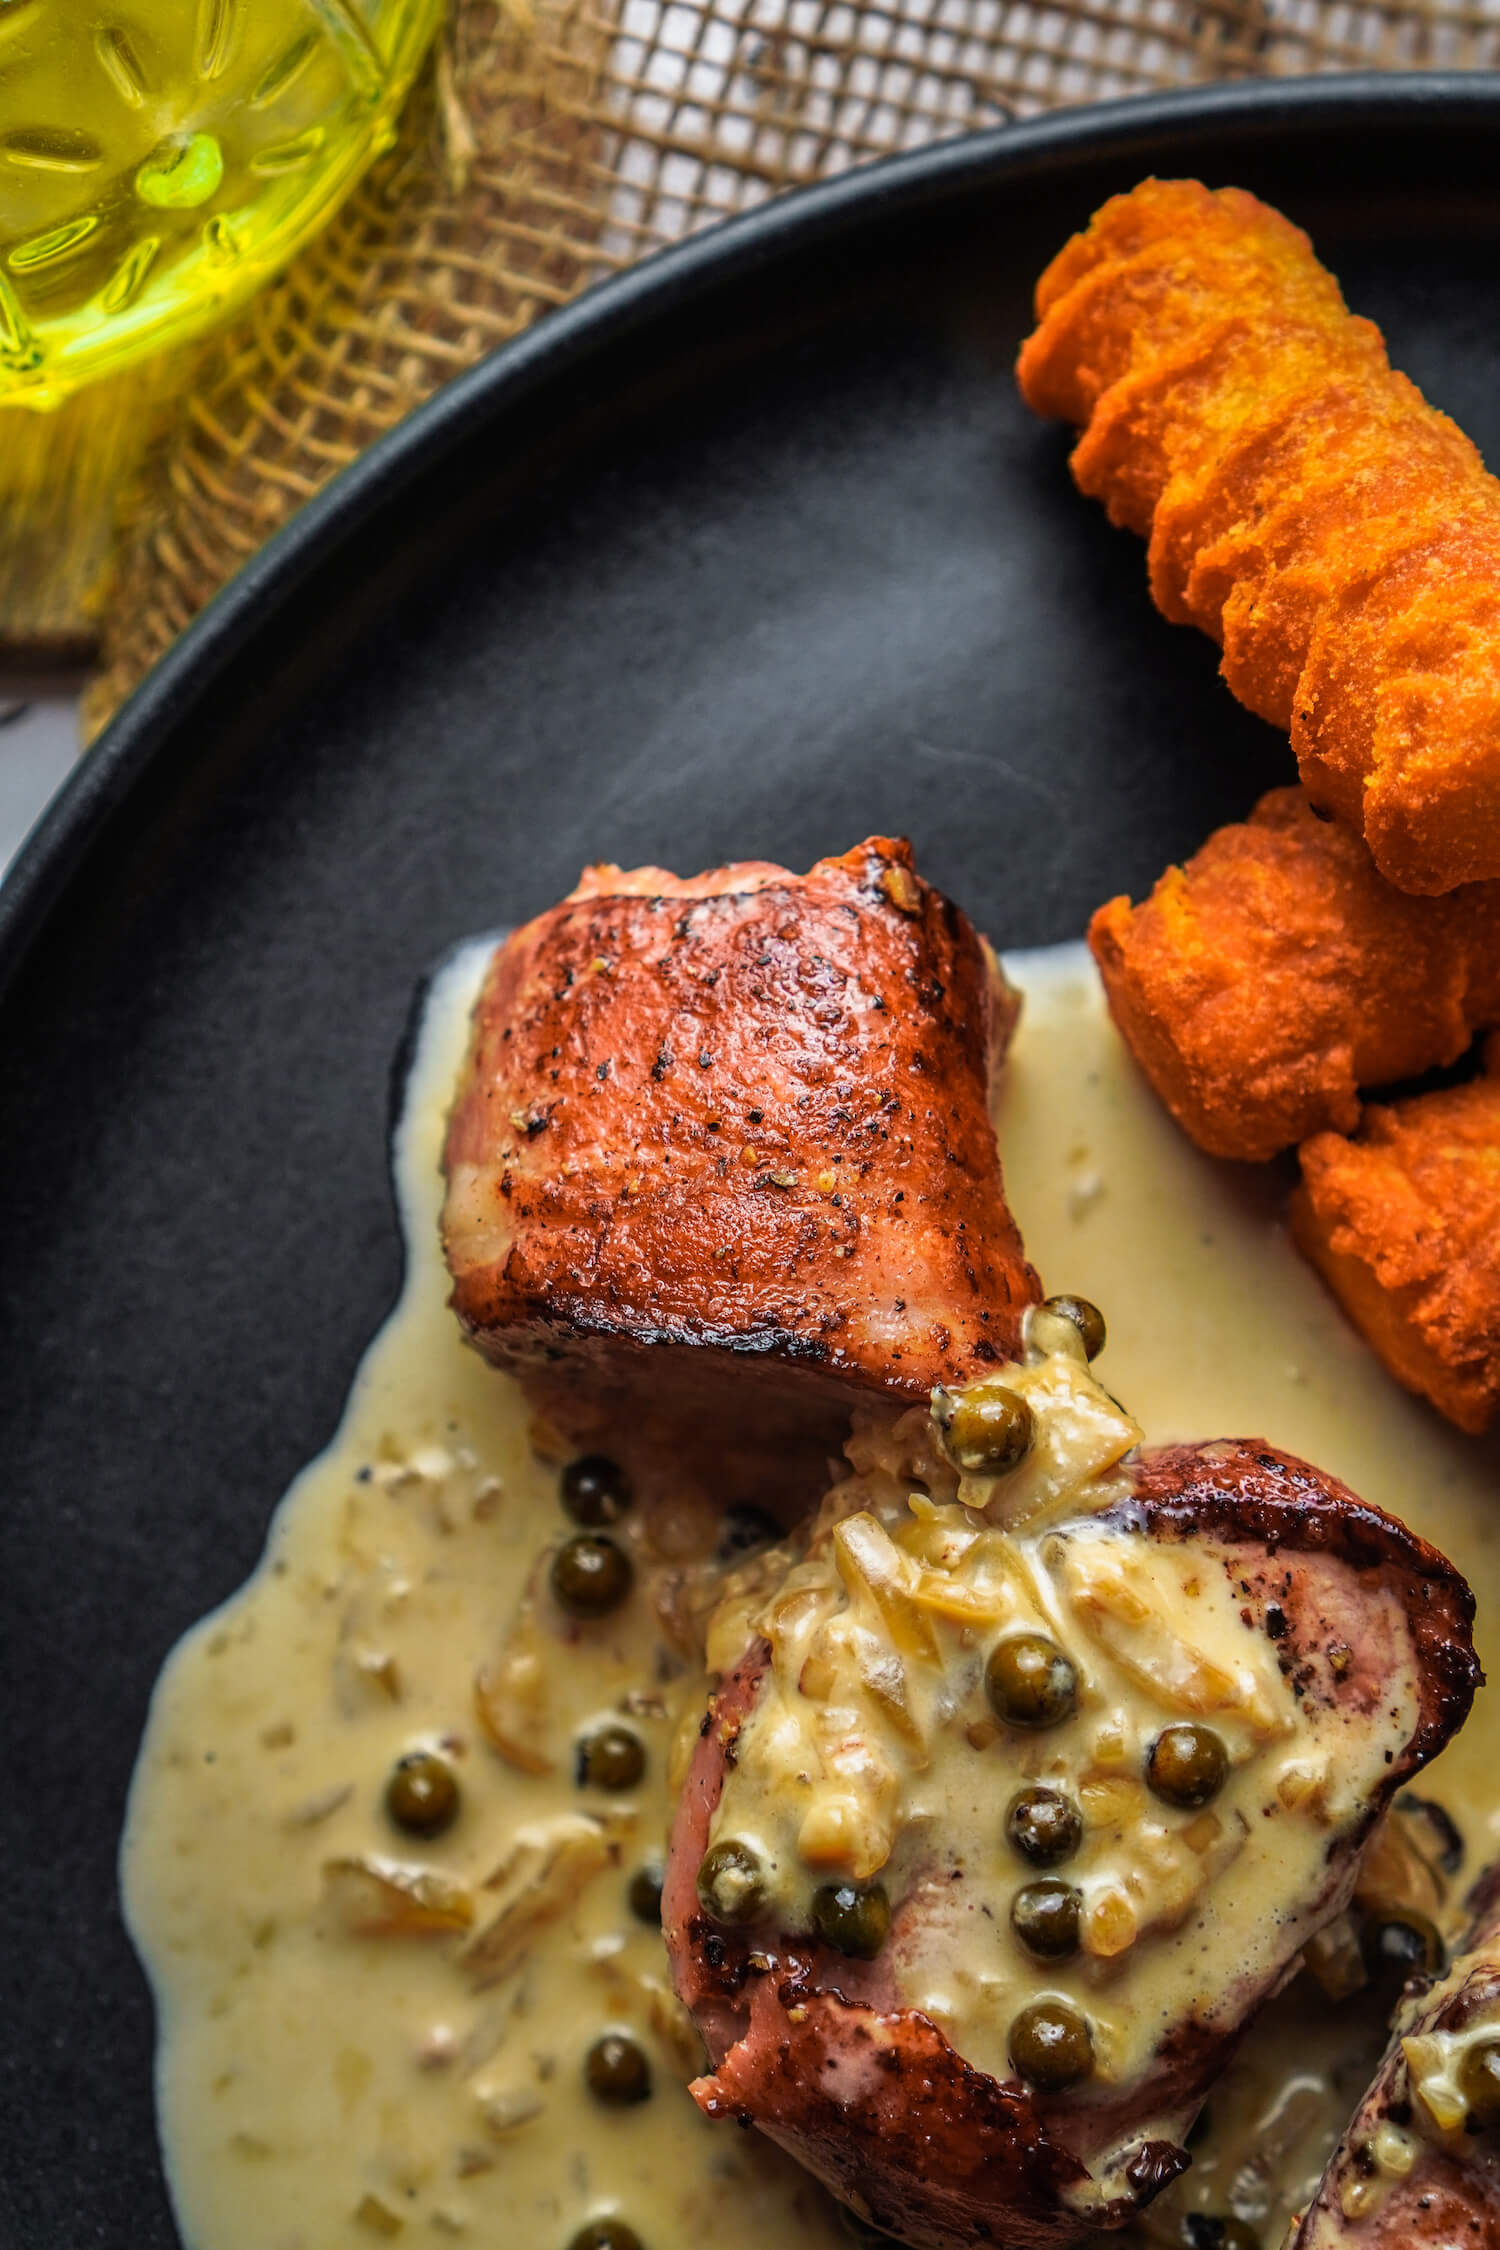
(1305, 505)
(1268, 980)
(1403, 1222)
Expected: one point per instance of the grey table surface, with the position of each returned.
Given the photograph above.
(38, 749)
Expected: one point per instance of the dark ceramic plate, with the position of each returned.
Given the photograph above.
(749, 553)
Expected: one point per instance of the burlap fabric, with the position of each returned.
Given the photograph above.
(556, 140)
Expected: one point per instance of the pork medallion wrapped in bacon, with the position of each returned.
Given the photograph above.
(721, 1165)
(1022, 1791)
(1419, 2168)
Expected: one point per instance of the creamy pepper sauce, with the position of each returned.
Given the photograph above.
(366, 2036)
(872, 1750)
(1435, 2059)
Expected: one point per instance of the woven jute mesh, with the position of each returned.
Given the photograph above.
(555, 141)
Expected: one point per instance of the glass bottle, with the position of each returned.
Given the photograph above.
(159, 159)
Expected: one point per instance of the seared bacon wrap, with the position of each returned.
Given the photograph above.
(1443, 2190)
(821, 2052)
(721, 1165)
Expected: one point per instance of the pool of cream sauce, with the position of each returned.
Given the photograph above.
(317, 2089)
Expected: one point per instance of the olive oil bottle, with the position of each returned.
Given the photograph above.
(160, 159)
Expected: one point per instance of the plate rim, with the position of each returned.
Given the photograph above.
(34, 885)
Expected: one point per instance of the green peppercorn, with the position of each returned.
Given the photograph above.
(744, 1528)
(1051, 2046)
(605, 2234)
(617, 2071)
(986, 1430)
(1029, 1681)
(643, 1894)
(591, 1575)
(731, 1882)
(1187, 1764)
(852, 1918)
(1443, 1839)
(1086, 1318)
(1479, 2083)
(1200, 2231)
(1044, 1826)
(1044, 1916)
(1403, 1945)
(610, 1758)
(422, 1795)
(595, 1491)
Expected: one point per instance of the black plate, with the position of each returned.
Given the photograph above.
(751, 552)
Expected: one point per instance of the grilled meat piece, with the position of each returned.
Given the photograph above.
(1226, 1589)
(720, 1163)
(1420, 2163)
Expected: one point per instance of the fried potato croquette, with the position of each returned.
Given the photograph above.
(1267, 981)
(1403, 1222)
(1305, 506)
